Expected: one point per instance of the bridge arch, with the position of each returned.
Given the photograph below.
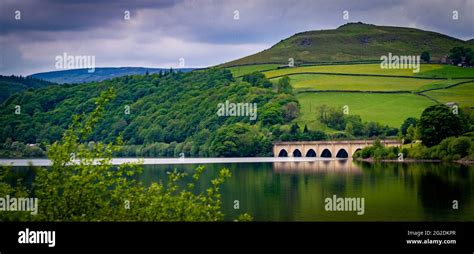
(326, 153)
(357, 150)
(283, 153)
(311, 153)
(342, 153)
(297, 153)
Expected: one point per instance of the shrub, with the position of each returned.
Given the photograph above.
(357, 154)
(366, 152)
(456, 157)
(419, 152)
(392, 156)
(460, 146)
(405, 152)
(380, 153)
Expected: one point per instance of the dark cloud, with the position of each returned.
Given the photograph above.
(59, 15)
(204, 32)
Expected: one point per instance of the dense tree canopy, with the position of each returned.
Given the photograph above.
(461, 54)
(425, 56)
(150, 109)
(437, 123)
(10, 85)
(410, 121)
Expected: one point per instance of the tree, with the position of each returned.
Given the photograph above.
(290, 111)
(417, 135)
(373, 129)
(425, 56)
(333, 118)
(460, 54)
(271, 115)
(239, 140)
(295, 129)
(318, 135)
(349, 130)
(437, 123)
(357, 125)
(257, 79)
(305, 130)
(409, 121)
(284, 86)
(410, 135)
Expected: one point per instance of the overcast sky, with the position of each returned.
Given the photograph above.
(202, 32)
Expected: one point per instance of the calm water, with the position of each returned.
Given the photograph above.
(296, 191)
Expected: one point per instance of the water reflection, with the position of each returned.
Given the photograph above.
(309, 167)
(295, 191)
(446, 191)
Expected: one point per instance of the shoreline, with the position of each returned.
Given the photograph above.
(371, 160)
(24, 162)
(175, 161)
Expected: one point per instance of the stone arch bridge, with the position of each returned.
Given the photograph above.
(327, 149)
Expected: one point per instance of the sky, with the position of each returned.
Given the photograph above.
(192, 33)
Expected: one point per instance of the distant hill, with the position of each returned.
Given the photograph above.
(354, 42)
(13, 84)
(83, 76)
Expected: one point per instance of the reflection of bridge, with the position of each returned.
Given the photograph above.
(339, 149)
(316, 166)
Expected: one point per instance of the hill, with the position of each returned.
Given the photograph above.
(99, 74)
(354, 42)
(14, 84)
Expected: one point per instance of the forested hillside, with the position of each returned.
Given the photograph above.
(14, 84)
(170, 114)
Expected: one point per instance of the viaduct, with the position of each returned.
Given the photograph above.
(327, 149)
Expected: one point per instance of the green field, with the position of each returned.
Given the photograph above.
(448, 71)
(462, 94)
(370, 69)
(390, 109)
(426, 70)
(361, 83)
(238, 71)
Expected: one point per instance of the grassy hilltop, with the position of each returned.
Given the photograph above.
(353, 42)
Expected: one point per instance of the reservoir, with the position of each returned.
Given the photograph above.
(295, 189)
